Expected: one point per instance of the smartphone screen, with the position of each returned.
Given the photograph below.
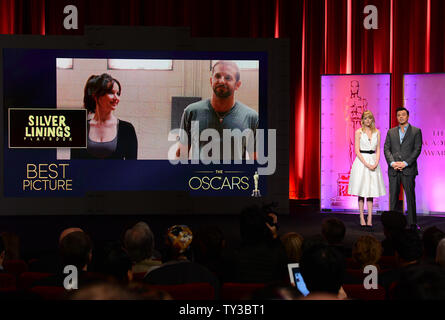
(299, 282)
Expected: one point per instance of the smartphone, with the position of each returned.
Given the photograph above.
(296, 279)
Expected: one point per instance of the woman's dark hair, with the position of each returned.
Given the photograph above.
(97, 86)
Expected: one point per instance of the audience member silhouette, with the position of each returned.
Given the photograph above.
(409, 250)
(50, 261)
(75, 249)
(208, 247)
(116, 264)
(393, 222)
(334, 230)
(261, 257)
(431, 238)
(367, 250)
(139, 242)
(421, 282)
(11, 242)
(322, 268)
(177, 267)
(293, 243)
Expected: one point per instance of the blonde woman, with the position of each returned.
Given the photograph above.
(367, 250)
(366, 180)
(293, 245)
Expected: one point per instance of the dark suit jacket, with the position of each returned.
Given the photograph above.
(408, 151)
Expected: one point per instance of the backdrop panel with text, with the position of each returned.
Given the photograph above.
(343, 100)
(424, 97)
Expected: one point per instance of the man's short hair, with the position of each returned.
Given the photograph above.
(139, 242)
(408, 245)
(228, 63)
(333, 230)
(75, 249)
(402, 109)
(322, 268)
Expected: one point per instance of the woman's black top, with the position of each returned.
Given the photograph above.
(126, 145)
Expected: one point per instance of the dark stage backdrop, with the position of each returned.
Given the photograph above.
(326, 36)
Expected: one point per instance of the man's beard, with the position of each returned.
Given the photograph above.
(222, 94)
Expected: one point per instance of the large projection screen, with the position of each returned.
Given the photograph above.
(423, 95)
(153, 105)
(343, 100)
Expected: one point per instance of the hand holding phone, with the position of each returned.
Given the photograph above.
(296, 278)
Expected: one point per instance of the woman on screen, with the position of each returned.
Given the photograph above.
(366, 180)
(107, 136)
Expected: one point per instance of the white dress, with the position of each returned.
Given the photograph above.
(362, 181)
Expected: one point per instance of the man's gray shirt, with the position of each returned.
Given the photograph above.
(239, 117)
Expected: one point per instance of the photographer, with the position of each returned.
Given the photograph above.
(261, 257)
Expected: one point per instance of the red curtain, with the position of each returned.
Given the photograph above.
(409, 39)
(229, 18)
(22, 17)
(326, 37)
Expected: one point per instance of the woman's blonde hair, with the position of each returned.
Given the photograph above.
(367, 250)
(292, 243)
(367, 114)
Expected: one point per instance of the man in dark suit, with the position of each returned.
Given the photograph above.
(403, 145)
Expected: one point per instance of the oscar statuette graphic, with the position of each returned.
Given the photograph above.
(354, 107)
(256, 192)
